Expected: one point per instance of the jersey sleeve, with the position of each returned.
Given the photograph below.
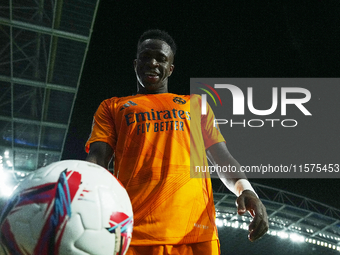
(103, 127)
(211, 134)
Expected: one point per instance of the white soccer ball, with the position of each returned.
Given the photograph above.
(71, 207)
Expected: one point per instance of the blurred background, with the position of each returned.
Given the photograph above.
(59, 59)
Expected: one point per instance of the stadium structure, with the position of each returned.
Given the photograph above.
(297, 225)
(43, 46)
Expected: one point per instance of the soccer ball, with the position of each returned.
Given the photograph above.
(69, 207)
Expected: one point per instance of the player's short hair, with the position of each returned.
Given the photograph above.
(159, 35)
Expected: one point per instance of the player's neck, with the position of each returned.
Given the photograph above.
(142, 90)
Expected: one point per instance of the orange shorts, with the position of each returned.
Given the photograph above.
(206, 248)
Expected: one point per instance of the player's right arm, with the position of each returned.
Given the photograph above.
(100, 153)
(100, 145)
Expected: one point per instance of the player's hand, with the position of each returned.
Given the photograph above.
(248, 201)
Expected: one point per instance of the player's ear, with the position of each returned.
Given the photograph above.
(135, 65)
(171, 69)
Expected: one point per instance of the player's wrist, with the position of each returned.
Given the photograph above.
(242, 185)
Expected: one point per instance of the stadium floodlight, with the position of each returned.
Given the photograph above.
(5, 188)
(9, 163)
(282, 235)
(273, 233)
(235, 224)
(3, 176)
(219, 223)
(296, 238)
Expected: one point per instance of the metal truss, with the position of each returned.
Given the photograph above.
(288, 212)
(43, 47)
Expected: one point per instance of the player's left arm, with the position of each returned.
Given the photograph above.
(237, 182)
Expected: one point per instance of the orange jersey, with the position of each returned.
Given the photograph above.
(156, 138)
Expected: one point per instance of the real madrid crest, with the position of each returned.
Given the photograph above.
(179, 100)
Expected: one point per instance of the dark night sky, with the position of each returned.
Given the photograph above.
(236, 39)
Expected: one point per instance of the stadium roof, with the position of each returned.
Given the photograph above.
(293, 219)
(43, 46)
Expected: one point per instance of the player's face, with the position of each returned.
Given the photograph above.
(153, 66)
